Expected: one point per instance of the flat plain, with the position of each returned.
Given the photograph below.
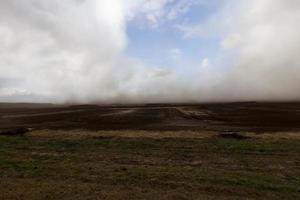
(159, 151)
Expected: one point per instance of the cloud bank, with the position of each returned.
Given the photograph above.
(73, 51)
(265, 40)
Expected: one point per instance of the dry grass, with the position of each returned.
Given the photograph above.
(131, 165)
(123, 134)
(279, 136)
(160, 134)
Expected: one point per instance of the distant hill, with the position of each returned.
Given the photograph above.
(26, 105)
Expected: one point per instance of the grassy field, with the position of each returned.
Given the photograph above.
(146, 165)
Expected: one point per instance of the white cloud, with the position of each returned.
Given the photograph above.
(13, 91)
(204, 64)
(153, 10)
(175, 53)
(267, 39)
(182, 7)
(232, 41)
(159, 11)
(212, 27)
(73, 50)
(261, 39)
(56, 46)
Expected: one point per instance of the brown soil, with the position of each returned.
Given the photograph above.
(255, 117)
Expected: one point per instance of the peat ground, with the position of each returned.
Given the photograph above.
(257, 117)
(171, 152)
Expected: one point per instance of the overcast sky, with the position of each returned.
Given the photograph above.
(142, 51)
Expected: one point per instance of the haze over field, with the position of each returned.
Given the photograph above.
(143, 51)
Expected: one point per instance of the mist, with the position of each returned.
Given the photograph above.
(74, 51)
(265, 40)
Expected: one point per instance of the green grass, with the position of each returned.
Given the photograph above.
(145, 168)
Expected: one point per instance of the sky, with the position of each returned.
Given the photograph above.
(149, 51)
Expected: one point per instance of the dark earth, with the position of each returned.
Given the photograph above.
(249, 116)
(234, 151)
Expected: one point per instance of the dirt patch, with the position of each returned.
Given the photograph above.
(234, 135)
(15, 132)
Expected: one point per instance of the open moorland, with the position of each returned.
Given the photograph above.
(177, 152)
(255, 117)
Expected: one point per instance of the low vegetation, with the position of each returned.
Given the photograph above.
(135, 165)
